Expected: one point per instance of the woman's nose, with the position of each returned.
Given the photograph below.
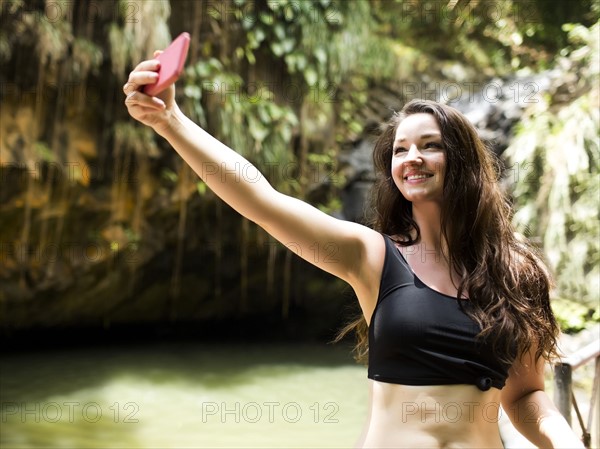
(413, 154)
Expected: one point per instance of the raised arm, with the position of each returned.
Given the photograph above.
(345, 249)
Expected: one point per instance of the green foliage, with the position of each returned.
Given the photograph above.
(201, 188)
(52, 40)
(294, 31)
(496, 37)
(333, 205)
(251, 122)
(43, 151)
(130, 43)
(557, 197)
(169, 175)
(87, 57)
(556, 162)
(572, 316)
(140, 140)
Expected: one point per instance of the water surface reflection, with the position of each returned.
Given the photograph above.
(183, 395)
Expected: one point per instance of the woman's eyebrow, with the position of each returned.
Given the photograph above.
(423, 136)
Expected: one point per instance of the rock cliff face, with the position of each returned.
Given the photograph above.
(92, 242)
(101, 223)
(73, 265)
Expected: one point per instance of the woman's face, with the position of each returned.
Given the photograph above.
(419, 159)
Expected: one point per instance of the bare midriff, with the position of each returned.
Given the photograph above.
(431, 416)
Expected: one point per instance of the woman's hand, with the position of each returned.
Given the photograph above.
(157, 111)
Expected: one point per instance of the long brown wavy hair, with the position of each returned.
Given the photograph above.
(503, 275)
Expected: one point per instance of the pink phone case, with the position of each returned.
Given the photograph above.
(171, 64)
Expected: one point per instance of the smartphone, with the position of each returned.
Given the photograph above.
(171, 64)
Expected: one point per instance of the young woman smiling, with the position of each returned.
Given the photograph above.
(455, 310)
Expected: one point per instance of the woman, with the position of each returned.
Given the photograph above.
(458, 310)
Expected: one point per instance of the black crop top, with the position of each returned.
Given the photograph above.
(418, 336)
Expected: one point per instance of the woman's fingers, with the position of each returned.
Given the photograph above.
(139, 99)
(144, 73)
(146, 109)
(138, 79)
(150, 64)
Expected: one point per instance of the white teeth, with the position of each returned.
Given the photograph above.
(411, 177)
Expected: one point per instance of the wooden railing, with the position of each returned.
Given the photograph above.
(563, 390)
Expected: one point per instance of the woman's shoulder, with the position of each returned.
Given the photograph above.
(371, 243)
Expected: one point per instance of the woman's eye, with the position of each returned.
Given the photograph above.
(433, 145)
(399, 150)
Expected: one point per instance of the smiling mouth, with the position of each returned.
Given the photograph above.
(419, 176)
